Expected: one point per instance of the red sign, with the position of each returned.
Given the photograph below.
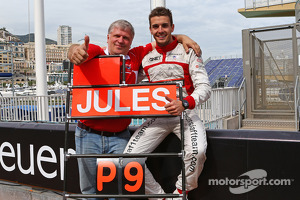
(98, 71)
(127, 172)
(121, 101)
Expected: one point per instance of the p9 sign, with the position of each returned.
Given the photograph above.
(121, 175)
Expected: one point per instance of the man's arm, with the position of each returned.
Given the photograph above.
(200, 80)
(77, 54)
(201, 84)
(187, 43)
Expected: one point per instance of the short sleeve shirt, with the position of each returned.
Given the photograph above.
(133, 62)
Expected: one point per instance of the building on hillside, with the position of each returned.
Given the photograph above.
(12, 61)
(55, 55)
(14, 68)
(17, 60)
(20, 65)
(13, 65)
(6, 58)
(64, 35)
(23, 58)
(11, 53)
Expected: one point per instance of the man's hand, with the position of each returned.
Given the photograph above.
(174, 107)
(78, 53)
(187, 43)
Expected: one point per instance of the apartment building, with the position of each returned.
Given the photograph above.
(64, 35)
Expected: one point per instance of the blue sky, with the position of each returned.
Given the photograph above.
(214, 24)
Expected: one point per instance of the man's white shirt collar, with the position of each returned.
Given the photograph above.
(106, 52)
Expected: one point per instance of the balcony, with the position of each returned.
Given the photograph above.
(268, 8)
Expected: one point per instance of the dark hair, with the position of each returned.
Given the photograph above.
(161, 11)
(122, 24)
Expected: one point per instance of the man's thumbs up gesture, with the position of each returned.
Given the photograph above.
(78, 53)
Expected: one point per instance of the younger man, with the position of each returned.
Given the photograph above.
(173, 64)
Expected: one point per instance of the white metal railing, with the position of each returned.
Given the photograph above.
(252, 4)
(24, 108)
(222, 103)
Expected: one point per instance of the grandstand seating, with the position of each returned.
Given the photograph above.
(230, 71)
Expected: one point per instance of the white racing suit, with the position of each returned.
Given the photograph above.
(171, 63)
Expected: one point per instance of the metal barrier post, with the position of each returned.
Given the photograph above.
(182, 145)
(67, 129)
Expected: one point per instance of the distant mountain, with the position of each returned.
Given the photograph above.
(6, 35)
(25, 39)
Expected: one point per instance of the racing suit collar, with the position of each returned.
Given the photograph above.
(168, 47)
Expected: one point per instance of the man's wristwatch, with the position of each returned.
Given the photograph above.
(185, 104)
